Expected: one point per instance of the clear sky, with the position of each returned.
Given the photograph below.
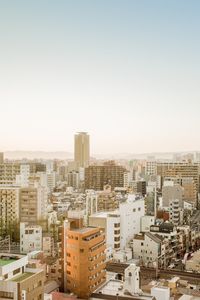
(128, 72)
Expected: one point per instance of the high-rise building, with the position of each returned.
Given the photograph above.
(82, 149)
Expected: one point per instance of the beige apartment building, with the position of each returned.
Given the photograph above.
(9, 208)
(179, 169)
(32, 204)
(108, 173)
(1, 157)
(8, 172)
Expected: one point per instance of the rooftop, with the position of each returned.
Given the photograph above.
(83, 230)
(7, 258)
(4, 262)
(22, 277)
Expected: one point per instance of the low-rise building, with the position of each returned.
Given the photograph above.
(17, 282)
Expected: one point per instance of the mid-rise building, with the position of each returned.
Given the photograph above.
(9, 209)
(8, 173)
(96, 177)
(150, 167)
(148, 248)
(130, 212)
(33, 204)
(110, 222)
(73, 179)
(30, 238)
(83, 258)
(171, 191)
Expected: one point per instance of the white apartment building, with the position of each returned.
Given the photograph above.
(130, 212)
(148, 248)
(91, 203)
(48, 180)
(30, 238)
(128, 177)
(150, 167)
(22, 179)
(146, 222)
(110, 222)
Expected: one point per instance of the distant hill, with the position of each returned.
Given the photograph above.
(38, 155)
(69, 155)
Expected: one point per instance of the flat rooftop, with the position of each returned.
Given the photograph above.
(8, 258)
(4, 262)
(105, 214)
(114, 288)
(22, 277)
(83, 230)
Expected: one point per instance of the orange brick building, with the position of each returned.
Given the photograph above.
(84, 260)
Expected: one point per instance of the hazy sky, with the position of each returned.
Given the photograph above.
(128, 72)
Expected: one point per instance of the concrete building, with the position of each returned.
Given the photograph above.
(83, 258)
(33, 203)
(132, 280)
(106, 199)
(48, 245)
(193, 263)
(22, 179)
(82, 149)
(150, 167)
(146, 222)
(17, 282)
(73, 179)
(8, 172)
(148, 248)
(171, 191)
(176, 212)
(91, 203)
(97, 176)
(9, 209)
(189, 188)
(179, 169)
(48, 180)
(110, 222)
(30, 238)
(131, 212)
(160, 292)
(1, 157)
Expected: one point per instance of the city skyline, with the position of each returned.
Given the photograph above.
(127, 73)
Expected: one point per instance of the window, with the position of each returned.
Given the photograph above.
(81, 250)
(142, 244)
(139, 209)
(16, 271)
(134, 210)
